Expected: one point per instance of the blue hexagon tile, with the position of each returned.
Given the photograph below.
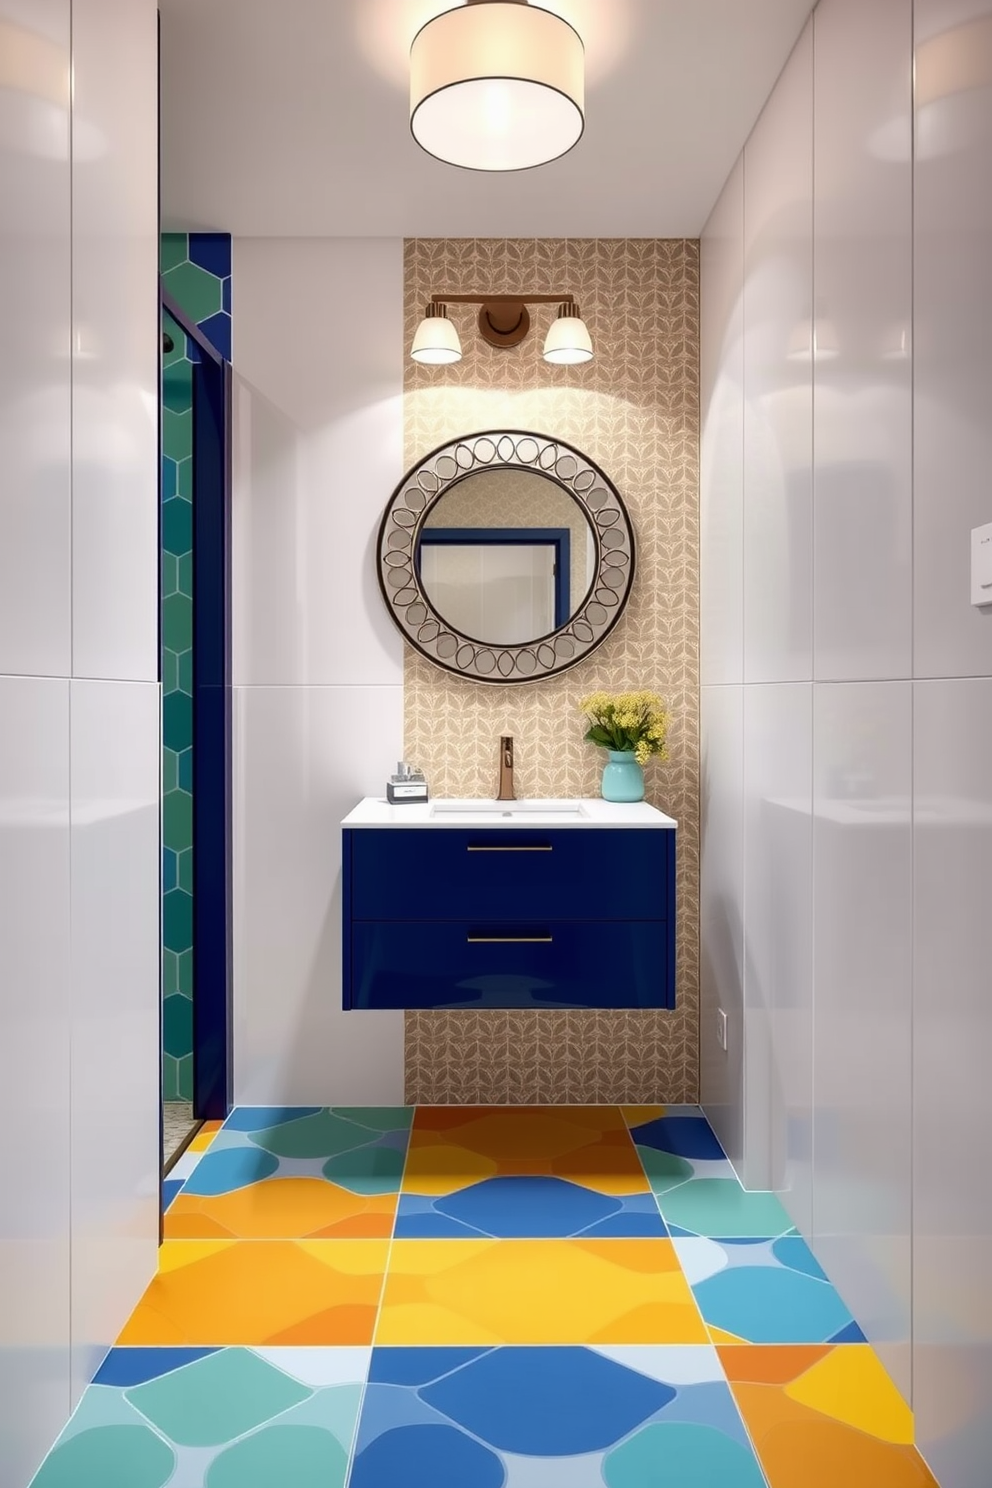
(550, 1418)
(764, 1291)
(213, 1418)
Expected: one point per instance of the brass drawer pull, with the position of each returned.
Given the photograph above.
(507, 847)
(510, 939)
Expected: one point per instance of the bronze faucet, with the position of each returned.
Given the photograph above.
(506, 768)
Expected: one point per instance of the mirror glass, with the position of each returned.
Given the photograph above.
(506, 556)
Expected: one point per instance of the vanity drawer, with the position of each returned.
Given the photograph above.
(480, 964)
(607, 873)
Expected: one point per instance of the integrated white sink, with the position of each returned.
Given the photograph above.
(447, 812)
(504, 810)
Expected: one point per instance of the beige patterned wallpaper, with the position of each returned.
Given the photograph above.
(635, 411)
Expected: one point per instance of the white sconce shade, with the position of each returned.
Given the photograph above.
(436, 343)
(568, 341)
(497, 85)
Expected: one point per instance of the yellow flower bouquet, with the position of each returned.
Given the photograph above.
(633, 726)
(628, 723)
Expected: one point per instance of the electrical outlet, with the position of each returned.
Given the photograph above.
(721, 1028)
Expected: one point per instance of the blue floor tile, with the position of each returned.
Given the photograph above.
(551, 1418)
(535, 1208)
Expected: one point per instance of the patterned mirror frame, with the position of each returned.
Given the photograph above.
(508, 449)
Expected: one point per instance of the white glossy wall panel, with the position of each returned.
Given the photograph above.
(35, 311)
(34, 1092)
(115, 1014)
(778, 373)
(721, 485)
(115, 340)
(862, 369)
(318, 451)
(721, 1074)
(303, 757)
(778, 863)
(862, 1073)
(952, 1355)
(953, 337)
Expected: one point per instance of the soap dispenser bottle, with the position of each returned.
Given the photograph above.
(407, 786)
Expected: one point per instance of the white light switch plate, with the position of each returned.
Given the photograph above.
(981, 565)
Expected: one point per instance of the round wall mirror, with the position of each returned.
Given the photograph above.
(506, 556)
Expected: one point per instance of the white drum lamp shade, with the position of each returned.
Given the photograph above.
(497, 85)
(436, 343)
(568, 342)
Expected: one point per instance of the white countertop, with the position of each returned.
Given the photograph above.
(377, 812)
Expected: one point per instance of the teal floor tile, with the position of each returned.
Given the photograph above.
(222, 1418)
(719, 1208)
(362, 1149)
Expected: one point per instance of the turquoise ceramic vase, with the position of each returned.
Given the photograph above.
(623, 778)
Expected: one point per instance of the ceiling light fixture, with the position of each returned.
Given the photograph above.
(436, 343)
(503, 321)
(497, 85)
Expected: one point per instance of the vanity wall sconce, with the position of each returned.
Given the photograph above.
(503, 321)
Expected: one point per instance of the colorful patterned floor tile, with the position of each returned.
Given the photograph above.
(679, 1147)
(170, 1187)
(764, 1291)
(719, 1209)
(527, 1208)
(479, 1292)
(640, 1115)
(310, 1173)
(509, 1172)
(205, 1136)
(227, 1418)
(550, 1418)
(823, 1417)
(310, 1292)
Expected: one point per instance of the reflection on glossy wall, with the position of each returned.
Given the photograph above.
(634, 410)
(952, 1337)
(846, 383)
(316, 662)
(79, 699)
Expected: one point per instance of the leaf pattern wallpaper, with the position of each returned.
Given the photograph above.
(634, 410)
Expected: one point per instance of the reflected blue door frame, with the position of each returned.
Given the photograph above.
(558, 538)
(212, 898)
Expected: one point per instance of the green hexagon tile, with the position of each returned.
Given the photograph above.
(196, 271)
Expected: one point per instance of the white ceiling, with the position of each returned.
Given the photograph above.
(289, 118)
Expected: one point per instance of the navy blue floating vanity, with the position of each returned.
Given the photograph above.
(481, 904)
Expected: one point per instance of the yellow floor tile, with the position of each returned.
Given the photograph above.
(282, 1209)
(318, 1292)
(537, 1291)
(204, 1136)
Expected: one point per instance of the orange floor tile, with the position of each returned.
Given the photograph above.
(825, 1416)
(261, 1292)
(537, 1291)
(204, 1136)
(282, 1209)
(453, 1147)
